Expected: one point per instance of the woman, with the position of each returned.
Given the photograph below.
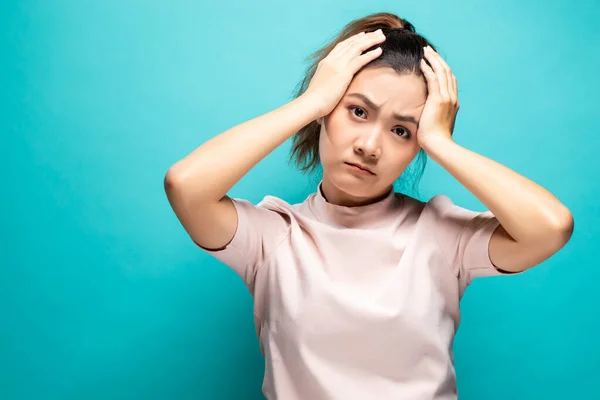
(356, 289)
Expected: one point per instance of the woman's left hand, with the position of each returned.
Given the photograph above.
(439, 113)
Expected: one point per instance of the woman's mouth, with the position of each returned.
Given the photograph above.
(360, 170)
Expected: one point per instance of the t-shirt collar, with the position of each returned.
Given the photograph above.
(369, 215)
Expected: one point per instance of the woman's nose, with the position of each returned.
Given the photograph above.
(368, 144)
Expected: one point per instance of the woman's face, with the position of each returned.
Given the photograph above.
(358, 132)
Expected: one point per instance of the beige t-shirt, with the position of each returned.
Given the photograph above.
(358, 302)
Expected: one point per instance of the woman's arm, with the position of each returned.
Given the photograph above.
(213, 168)
(534, 223)
(197, 185)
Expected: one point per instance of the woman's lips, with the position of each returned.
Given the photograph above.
(358, 169)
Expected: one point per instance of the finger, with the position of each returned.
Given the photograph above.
(363, 42)
(441, 60)
(354, 38)
(439, 71)
(451, 79)
(455, 84)
(430, 78)
(453, 88)
(343, 45)
(359, 46)
(456, 89)
(363, 59)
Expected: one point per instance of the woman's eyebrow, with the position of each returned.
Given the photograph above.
(369, 102)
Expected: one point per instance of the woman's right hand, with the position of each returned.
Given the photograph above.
(335, 72)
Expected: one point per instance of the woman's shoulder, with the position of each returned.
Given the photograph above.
(437, 207)
(270, 207)
(436, 201)
(420, 204)
(276, 203)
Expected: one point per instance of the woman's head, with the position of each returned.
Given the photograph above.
(375, 122)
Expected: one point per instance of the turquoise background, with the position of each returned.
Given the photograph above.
(102, 293)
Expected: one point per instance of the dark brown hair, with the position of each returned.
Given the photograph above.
(402, 51)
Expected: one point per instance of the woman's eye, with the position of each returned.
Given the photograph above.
(404, 133)
(352, 108)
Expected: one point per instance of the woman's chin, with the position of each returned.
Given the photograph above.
(353, 186)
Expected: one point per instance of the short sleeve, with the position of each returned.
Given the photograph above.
(464, 236)
(259, 231)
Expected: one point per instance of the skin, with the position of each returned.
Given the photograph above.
(355, 132)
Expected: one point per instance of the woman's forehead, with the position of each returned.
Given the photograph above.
(387, 88)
